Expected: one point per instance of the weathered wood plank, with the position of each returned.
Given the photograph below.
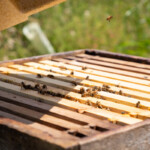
(97, 73)
(67, 114)
(121, 67)
(116, 61)
(69, 86)
(51, 131)
(49, 120)
(131, 137)
(78, 62)
(80, 75)
(99, 112)
(106, 95)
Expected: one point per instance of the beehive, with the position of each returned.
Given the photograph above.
(83, 100)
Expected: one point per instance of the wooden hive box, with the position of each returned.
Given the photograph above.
(81, 100)
(13, 12)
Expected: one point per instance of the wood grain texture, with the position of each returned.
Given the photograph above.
(13, 12)
(117, 61)
(65, 113)
(134, 137)
(77, 62)
(20, 136)
(83, 76)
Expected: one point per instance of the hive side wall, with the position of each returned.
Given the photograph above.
(133, 137)
(17, 136)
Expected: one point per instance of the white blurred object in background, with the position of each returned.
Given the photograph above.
(34, 33)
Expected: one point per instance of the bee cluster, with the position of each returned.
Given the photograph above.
(106, 88)
(92, 92)
(97, 105)
(40, 88)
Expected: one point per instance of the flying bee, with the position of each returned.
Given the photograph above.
(109, 18)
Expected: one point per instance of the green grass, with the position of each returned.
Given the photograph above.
(80, 24)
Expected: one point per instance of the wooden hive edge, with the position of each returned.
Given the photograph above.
(97, 52)
(131, 137)
(20, 135)
(126, 57)
(42, 57)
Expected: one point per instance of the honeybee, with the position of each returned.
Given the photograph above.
(74, 83)
(87, 77)
(26, 86)
(120, 92)
(50, 76)
(109, 18)
(44, 86)
(138, 104)
(71, 73)
(39, 76)
(82, 90)
(84, 68)
(98, 104)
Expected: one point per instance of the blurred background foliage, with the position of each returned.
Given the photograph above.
(81, 24)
